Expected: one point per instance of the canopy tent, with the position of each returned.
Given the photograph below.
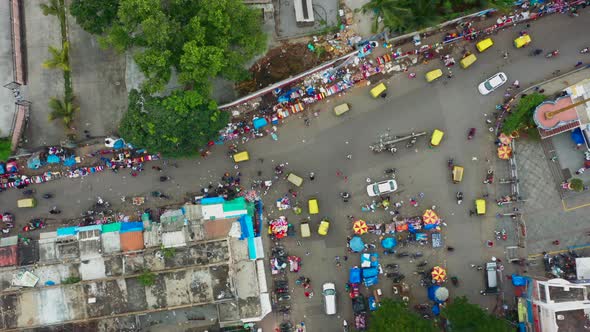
(429, 217)
(504, 139)
(438, 274)
(53, 159)
(504, 152)
(357, 244)
(354, 277)
(388, 242)
(360, 227)
(34, 162)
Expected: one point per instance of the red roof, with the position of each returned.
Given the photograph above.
(558, 130)
(8, 255)
(131, 241)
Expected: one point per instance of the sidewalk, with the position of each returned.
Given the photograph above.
(7, 107)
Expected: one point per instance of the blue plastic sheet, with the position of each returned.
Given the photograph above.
(259, 123)
(357, 244)
(518, 280)
(577, 136)
(369, 272)
(354, 277)
(388, 243)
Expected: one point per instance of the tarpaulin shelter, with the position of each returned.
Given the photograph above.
(438, 274)
(70, 161)
(354, 276)
(504, 139)
(34, 161)
(259, 123)
(388, 242)
(53, 159)
(577, 136)
(360, 227)
(430, 217)
(369, 272)
(357, 244)
(504, 152)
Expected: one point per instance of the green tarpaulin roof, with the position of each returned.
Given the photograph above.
(114, 227)
(235, 205)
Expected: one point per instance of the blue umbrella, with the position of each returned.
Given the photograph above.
(357, 244)
(388, 243)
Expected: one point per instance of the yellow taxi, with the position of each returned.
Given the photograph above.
(484, 44)
(433, 74)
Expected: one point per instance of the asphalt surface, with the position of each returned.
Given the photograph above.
(412, 105)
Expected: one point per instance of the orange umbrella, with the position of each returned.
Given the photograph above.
(504, 152)
(360, 227)
(429, 217)
(439, 274)
(504, 139)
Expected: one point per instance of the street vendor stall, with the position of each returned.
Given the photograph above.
(360, 227)
(504, 152)
(439, 274)
(278, 227)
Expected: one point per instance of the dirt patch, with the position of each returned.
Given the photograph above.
(280, 63)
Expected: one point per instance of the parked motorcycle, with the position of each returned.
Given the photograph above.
(471, 133)
(536, 52)
(345, 325)
(402, 254)
(584, 50)
(459, 197)
(345, 196)
(552, 54)
(392, 266)
(47, 195)
(417, 255)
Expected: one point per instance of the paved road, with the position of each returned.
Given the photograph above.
(413, 105)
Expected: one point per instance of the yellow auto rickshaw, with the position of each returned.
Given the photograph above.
(522, 41)
(324, 226)
(484, 44)
(433, 74)
(341, 109)
(305, 231)
(457, 174)
(313, 206)
(26, 203)
(467, 60)
(480, 206)
(295, 179)
(437, 136)
(378, 90)
(241, 156)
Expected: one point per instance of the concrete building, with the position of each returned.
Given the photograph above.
(558, 305)
(96, 275)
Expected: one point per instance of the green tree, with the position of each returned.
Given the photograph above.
(177, 125)
(60, 58)
(393, 12)
(522, 115)
(62, 109)
(51, 8)
(94, 16)
(156, 66)
(394, 316)
(421, 15)
(577, 184)
(465, 316)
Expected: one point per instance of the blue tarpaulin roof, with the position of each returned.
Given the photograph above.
(119, 144)
(66, 231)
(53, 159)
(259, 123)
(132, 226)
(89, 228)
(388, 243)
(354, 277)
(577, 136)
(370, 272)
(357, 244)
(212, 200)
(70, 161)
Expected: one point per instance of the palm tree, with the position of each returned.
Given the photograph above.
(64, 110)
(422, 14)
(60, 59)
(391, 11)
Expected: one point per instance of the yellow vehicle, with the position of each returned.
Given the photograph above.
(480, 206)
(324, 226)
(437, 136)
(341, 109)
(433, 74)
(522, 41)
(467, 61)
(312, 204)
(305, 231)
(241, 156)
(26, 203)
(484, 44)
(295, 179)
(378, 90)
(457, 174)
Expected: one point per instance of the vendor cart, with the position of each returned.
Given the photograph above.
(138, 200)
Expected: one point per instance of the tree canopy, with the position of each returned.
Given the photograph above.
(412, 15)
(394, 316)
(94, 16)
(467, 317)
(522, 114)
(176, 125)
(199, 39)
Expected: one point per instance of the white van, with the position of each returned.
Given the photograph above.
(491, 278)
(329, 292)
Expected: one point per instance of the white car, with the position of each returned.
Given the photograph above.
(329, 292)
(492, 83)
(380, 188)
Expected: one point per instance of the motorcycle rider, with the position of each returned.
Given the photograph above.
(54, 210)
(459, 197)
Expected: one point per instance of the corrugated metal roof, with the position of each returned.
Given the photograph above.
(152, 238)
(193, 212)
(9, 241)
(174, 239)
(8, 255)
(92, 234)
(172, 216)
(131, 241)
(47, 235)
(112, 227)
